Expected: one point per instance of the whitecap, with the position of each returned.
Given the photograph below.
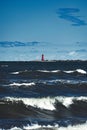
(22, 84)
(43, 103)
(15, 73)
(49, 71)
(69, 71)
(74, 127)
(47, 103)
(77, 70)
(81, 71)
(15, 128)
(53, 127)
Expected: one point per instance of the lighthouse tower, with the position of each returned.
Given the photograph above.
(42, 59)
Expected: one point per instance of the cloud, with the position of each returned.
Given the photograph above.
(72, 53)
(69, 15)
(18, 44)
(78, 52)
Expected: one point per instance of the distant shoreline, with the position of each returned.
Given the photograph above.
(46, 61)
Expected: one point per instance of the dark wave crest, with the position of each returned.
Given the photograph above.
(17, 109)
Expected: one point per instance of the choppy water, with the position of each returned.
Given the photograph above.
(43, 95)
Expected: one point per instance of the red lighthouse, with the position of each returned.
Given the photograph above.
(42, 59)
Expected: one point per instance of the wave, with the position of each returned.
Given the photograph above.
(81, 71)
(63, 81)
(51, 127)
(47, 71)
(47, 103)
(15, 72)
(22, 84)
(44, 109)
(69, 71)
(43, 103)
(19, 72)
(58, 82)
(77, 70)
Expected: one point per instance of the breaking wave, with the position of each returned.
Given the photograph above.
(46, 109)
(48, 103)
(50, 127)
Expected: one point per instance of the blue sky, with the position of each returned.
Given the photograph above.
(57, 27)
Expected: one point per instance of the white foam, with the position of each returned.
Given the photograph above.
(55, 71)
(22, 84)
(47, 71)
(77, 70)
(43, 103)
(18, 72)
(36, 126)
(44, 71)
(81, 71)
(67, 101)
(46, 102)
(15, 72)
(54, 127)
(70, 71)
(75, 127)
(15, 128)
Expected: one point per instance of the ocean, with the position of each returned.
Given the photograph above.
(49, 95)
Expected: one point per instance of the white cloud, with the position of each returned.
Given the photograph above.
(72, 53)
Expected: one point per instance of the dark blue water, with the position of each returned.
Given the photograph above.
(43, 95)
